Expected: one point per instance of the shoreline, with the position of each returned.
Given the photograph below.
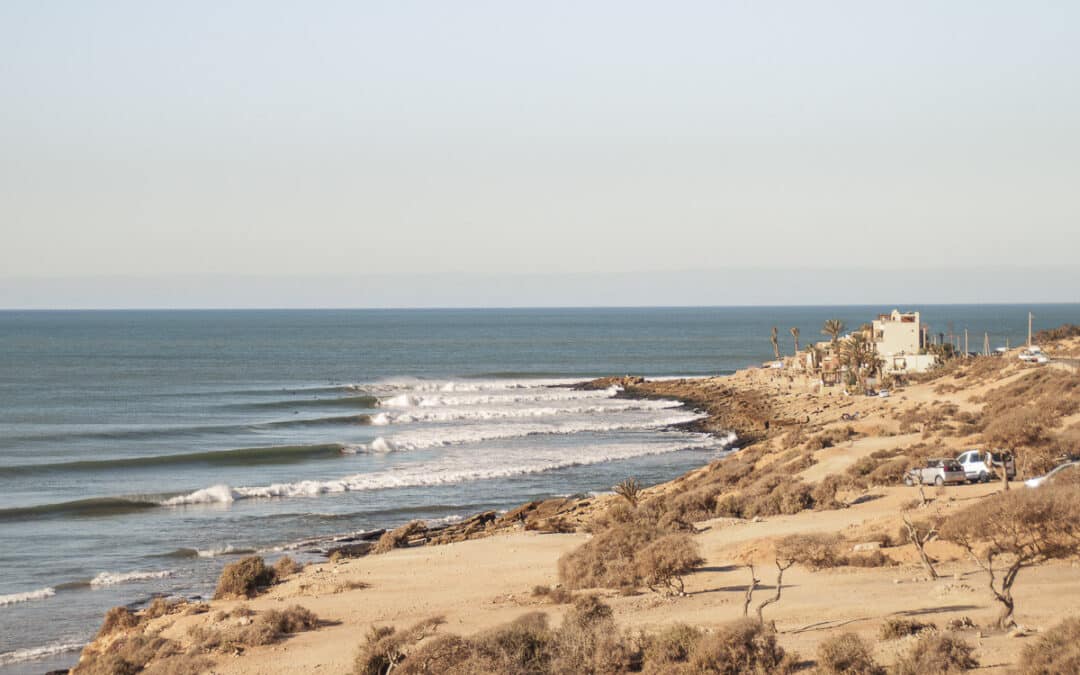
(480, 573)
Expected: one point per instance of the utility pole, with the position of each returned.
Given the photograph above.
(965, 342)
(986, 344)
(1030, 317)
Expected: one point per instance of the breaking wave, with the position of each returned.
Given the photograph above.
(459, 470)
(35, 653)
(113, 578)
(28, 596)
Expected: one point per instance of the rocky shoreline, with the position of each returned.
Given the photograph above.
(746, 413)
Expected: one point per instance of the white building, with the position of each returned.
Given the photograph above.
(899, 340)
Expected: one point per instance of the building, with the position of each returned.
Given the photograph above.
(900, 341)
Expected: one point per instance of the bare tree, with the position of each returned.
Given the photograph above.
(921, 533)
(775, 338)
(1013, 530)
(795, 336)
(754, 581)
(782, 564)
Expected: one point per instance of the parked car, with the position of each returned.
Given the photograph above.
(940, 471)
(982, 465)
(1041, 480)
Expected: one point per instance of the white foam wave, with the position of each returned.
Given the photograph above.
(113, 578)
(470, 466)
(497, 413)
(434, 438)
(215, 494)
(228, 549)
(408, 400)
(449, 386)
(35, 653)
(28, 596)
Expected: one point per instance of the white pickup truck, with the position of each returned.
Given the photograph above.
(982, 465)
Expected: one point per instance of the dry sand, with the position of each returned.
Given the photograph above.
(481, 583)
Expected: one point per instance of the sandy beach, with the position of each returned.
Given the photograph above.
(487, 578)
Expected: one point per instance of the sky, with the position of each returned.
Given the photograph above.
(402, 153)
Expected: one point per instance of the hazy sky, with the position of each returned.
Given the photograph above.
(149, 149)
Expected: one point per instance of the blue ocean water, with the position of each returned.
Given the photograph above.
(142, 450)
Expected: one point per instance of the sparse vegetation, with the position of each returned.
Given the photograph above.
(286, 567)
(1055, 652)
(630, 490)
(244, 578)
(936, 654)
(629, 551)
(846, 654)
(557, 595)
(1016, 529)
(267, 628)
(895, 628)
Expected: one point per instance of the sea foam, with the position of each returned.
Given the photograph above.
(28, 596)
(113, 578)
(42, 652)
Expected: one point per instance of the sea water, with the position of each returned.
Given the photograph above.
(142, 450)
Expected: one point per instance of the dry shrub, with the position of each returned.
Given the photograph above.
(117, 619)
(623, 556)
(871, 559)
(662, 564)
(385, 647)
(399, 538)
(269, 627)
(936, 654)
(824, 493)
(670, 648)
(160, 607)
(828, 439)
(557, 595)
(295, 619)
(151, 655)
(1062, 332)
(740, 648)
(588, 641)
(351, 585)
(1055, 652)
(895, 628)
(847, 654)
(286, 567)
(244, 578)
(815, 551)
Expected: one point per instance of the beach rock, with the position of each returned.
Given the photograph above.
(866, 546)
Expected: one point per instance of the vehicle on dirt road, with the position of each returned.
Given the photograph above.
(1055, 473)
(982, 465)
(938, 471)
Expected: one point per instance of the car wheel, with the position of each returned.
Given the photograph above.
(984, 477)
(939, 481)
(908, 482)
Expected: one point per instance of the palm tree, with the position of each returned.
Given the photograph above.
(833, 328)
(775, 342)
(860, 356)
(795, 335)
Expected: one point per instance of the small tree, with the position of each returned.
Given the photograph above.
(774, 337)
(1022, 428)
(1013, 530)
(920, 533)
(795, 336)
(833, 328)
(630, 490)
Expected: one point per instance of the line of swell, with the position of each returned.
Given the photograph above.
(279, 454)
(190, 431)
(361, 402)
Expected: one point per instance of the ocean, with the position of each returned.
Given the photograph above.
(140, 451)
